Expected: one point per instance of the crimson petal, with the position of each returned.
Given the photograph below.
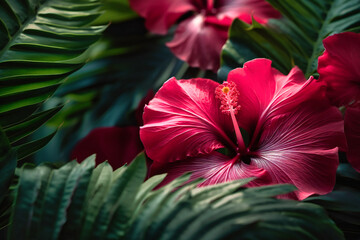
(352, 131)
(290, 136)
(117, 145)
(266, 93)
(246, 9)
(198, 41)
(301, 147)
(184, 120)
(339, 67)
(214, 167)
(160, 15)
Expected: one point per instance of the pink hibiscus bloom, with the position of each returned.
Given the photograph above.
(199, 38)
(117, 145)
(339, 68)
(293, 132)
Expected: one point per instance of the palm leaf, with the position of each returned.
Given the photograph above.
(41, 43)
(77, 201)
(296, 39)
(342, 203)
(7, 168)
(108, 89)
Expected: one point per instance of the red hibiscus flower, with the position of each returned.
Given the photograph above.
(293, 133)
(339, 68)
(199, 37)
(117, 145)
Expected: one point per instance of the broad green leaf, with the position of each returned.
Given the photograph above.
(26, 195)
(99, 186)
(7, 169)
(76, 201)
(41, 43)
(117, 210)
(75, 211)
(23, 129)
(123, 67)
(7, 163)
(342, 203)
(26, 149)
(116, 11)
(295, 39)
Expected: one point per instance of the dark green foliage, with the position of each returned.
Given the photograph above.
(41, 43)
(296, 39)
(342, 203)
(125, 64)
(77, 201)
(7, 168)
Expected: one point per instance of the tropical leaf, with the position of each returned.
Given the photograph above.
(76, 201)
(342, 203)
(7, 168)
(116, 11)
(125, 66)
(296, 39)
(41, 43)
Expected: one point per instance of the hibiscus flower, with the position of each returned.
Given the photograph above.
(117, 145)
(260, 123)
(203, 26)
(339, 69)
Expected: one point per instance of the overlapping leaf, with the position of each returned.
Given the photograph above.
(125, 65)
(296, 39)
(76, 201)
(41, 42)
(343, 202)
(7, 168)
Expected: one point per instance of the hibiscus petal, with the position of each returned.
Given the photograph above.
(256, 85)
(214, 168)
(117, 145)
(300, 147)
(160, 15)
(198, 41)
(339, 67)
(265, 92)
(184, 120)
(352, 131)
(246, 9)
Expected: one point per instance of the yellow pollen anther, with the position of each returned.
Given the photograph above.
(226, 89)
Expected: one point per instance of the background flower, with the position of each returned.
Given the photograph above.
(352, 131)
(203, 26)
(117, 145)
(290, 140)
(339, 69)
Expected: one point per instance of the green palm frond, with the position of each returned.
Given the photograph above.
(77, 201)
(7, 168)
(41, 43)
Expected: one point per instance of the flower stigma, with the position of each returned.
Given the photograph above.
(226, 89)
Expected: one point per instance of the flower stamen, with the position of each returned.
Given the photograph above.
(228, 95)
